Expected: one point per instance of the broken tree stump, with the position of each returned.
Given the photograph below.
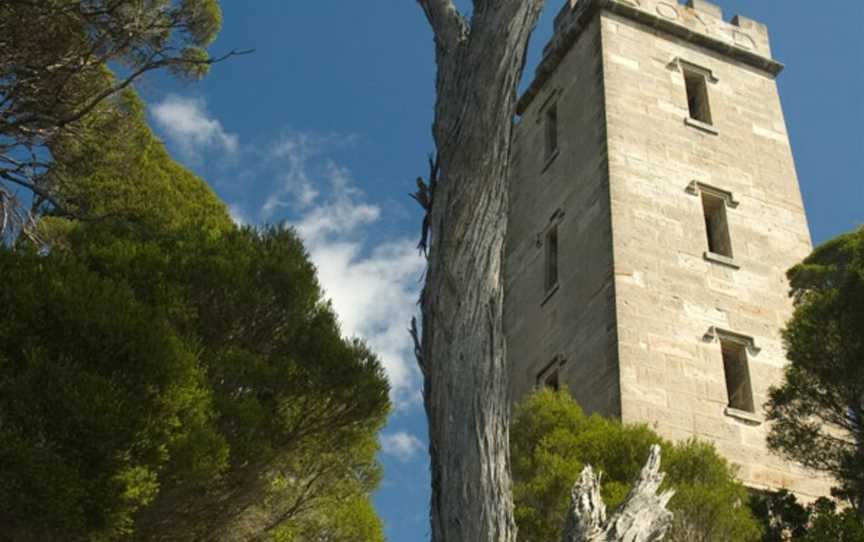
(642, 518)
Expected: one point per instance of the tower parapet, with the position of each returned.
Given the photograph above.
(699, 22)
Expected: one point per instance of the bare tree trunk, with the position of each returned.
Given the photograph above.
(642, 518)
(463, 352)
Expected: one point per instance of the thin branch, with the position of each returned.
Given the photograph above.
(15, 222)
(146, 67)
(31, 187)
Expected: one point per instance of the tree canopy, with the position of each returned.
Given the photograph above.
(115, 177)
(784, 519)
(552, 439)
(818, 409)
(166, 375)
(98, 395)
(55, 78)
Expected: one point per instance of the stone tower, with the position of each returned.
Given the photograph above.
(654, 211)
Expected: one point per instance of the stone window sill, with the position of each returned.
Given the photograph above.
(549, 161)
(721, 259)
(743, 415)
(699, 125)
(549, 294)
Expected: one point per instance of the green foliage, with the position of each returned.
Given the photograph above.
(194, 63)
(781, 515)
(827, 524)
(98, 394)
(818, 410)
(203, 20)
(344, 513)
(709, 503)
(62, 45)
(295, 400)
(552, 440)
(275, 420)
(55, 80)
(297, 405)
(166, 375)
(784, 519)
(118, 176)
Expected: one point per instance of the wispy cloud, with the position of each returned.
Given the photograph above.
(373, 289)
(403, 446)
(300, 153)
(190, 127)
(341, 213)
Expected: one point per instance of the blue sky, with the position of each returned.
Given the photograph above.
(327, 124)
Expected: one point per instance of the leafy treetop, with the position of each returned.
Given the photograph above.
(181, 377)
(818, 409)
(54, 77)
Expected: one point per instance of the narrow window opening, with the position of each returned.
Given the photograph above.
(737, 376)
(551, 258)
(551, 130)
(551, 381)
(697, 97)
(716, 225)
(549, 377)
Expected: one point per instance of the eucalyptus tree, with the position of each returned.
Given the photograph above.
(462, 351)
(63, 61)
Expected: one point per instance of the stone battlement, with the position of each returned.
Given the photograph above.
(699, 21)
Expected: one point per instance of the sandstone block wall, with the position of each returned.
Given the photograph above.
(641, 298)
(573, 324)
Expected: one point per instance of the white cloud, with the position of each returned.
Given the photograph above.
(373, 290)
(188, 124)
(341, 214)
(401, 445)
(295, 151)
(297, 189)
(375, 297)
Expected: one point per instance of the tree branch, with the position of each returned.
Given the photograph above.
(448, 24)
(150, 66)
(31, 187)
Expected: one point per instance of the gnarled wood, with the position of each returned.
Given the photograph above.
(642, 518)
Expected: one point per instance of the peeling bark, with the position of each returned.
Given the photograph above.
(462, 347)
(642, 518)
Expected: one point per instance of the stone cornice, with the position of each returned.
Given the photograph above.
(715, 334)
(584, 12)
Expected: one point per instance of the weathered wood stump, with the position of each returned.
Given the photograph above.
(642, 518)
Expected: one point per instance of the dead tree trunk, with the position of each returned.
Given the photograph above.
(642, 518)
(463, 353)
